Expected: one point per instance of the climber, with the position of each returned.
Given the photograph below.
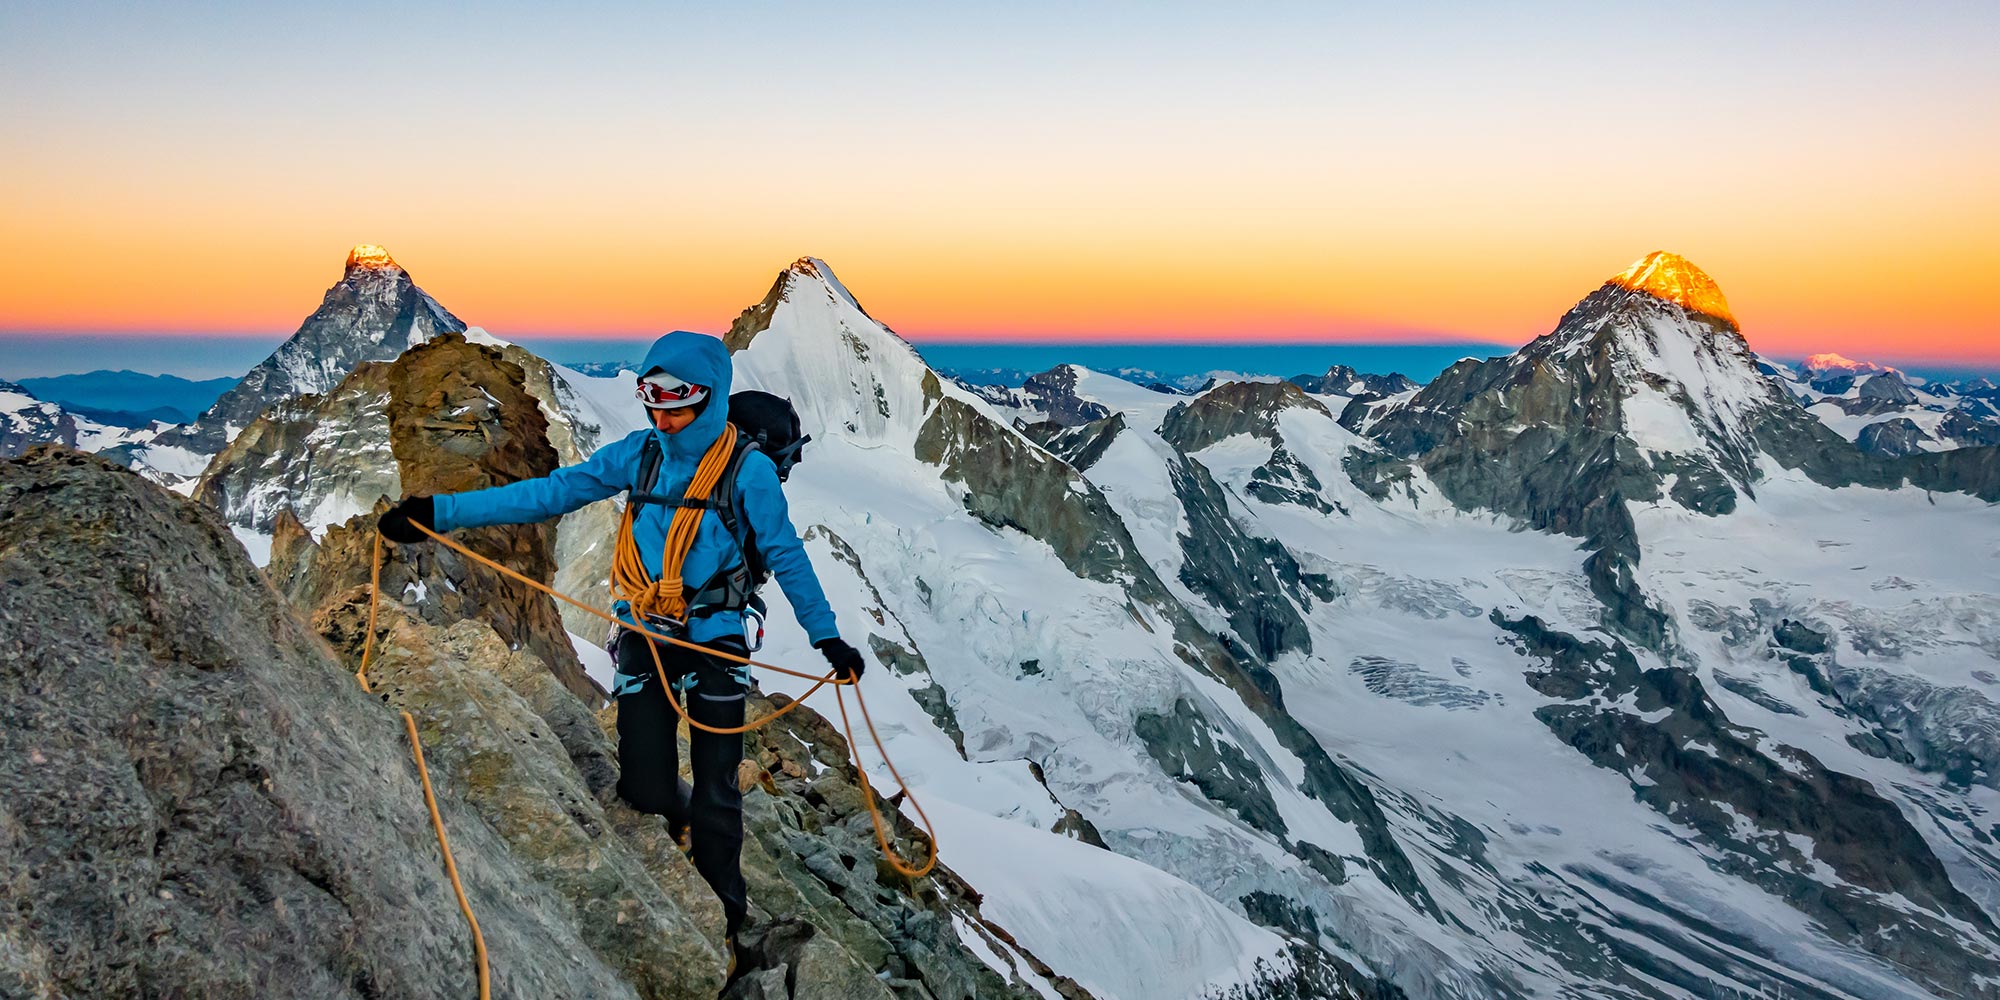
(684, 384)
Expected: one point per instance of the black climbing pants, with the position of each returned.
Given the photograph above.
(711, 810)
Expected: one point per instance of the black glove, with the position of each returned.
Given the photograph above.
(398, 523)
(846, 660)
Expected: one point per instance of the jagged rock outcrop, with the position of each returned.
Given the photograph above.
(319, 458)
(1343, 380)
(1892, 438)
(1961, 427)
(1252, 408)
(1082, 445)
(460, 418)
(1256, 582)
(1883, 393)
(1009, 482)
(1054, 393)
(1234, 408)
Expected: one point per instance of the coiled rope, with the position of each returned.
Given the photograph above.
(646, 595)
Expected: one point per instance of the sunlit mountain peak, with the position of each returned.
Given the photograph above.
(1674, 278)
(369, 256)
(1820, 364)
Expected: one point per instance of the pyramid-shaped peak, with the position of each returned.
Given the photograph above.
(370, 257)
(1674, 278)
(815, 269)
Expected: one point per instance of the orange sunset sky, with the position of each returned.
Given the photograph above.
(1279, 172)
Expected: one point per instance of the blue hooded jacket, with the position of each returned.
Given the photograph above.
(703, 360)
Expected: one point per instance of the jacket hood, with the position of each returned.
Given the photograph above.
(703, 360)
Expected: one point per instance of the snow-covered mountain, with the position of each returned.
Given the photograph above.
(1600, 669)
(1889, 412)
(26, 420)
(373, 313)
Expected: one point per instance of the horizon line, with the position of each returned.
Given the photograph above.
(1023, 339)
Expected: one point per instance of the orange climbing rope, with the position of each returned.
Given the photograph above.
(664, 596)
(896, 861)
(423, 775)
(629, 580)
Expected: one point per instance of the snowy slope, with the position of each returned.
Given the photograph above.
(26, 421)
(1044, 671)
(1411, 678)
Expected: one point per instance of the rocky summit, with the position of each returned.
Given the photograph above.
(1673, 278)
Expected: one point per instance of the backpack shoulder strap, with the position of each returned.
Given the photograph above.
(729, 506)
(649, 473)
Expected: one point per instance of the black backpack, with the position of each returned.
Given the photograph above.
(764, 423)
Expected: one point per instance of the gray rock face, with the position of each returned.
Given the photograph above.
(1009, 482)
(1054, 393)
(322, 457)
(1342, 380)
(1256, 582)
(199, 801)
(1080, 446)
(1885, 392)
(1234, 408)
(1187, 745)
(1892, 438)
(373, 313)
(1964, 428)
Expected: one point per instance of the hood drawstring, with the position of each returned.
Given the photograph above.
(629, 580)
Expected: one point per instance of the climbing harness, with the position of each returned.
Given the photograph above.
(658, 602)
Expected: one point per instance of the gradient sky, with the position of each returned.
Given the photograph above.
(1014, 171)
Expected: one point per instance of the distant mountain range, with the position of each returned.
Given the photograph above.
(127, 398)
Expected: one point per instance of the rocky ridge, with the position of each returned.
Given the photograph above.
(520, 761)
